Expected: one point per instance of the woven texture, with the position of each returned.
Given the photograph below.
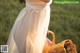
(66, 46)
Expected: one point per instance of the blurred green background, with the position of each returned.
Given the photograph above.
(65, 20)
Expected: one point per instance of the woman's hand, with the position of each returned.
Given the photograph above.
(49, 42)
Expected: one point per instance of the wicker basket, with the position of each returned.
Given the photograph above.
(66, 46)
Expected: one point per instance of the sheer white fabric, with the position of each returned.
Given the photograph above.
(29, 31)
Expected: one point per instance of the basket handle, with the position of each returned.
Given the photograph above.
(53, 36)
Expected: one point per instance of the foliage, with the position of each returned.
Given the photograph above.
(65, 23)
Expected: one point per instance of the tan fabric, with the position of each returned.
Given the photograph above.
(29, 31)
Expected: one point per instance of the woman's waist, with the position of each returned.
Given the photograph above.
(36, 6)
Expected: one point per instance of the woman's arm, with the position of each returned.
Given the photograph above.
(46, 1)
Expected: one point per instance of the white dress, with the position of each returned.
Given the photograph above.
(29, 31)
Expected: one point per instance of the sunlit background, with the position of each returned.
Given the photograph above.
(65, 20)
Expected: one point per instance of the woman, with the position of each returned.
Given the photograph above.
(28, 34)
